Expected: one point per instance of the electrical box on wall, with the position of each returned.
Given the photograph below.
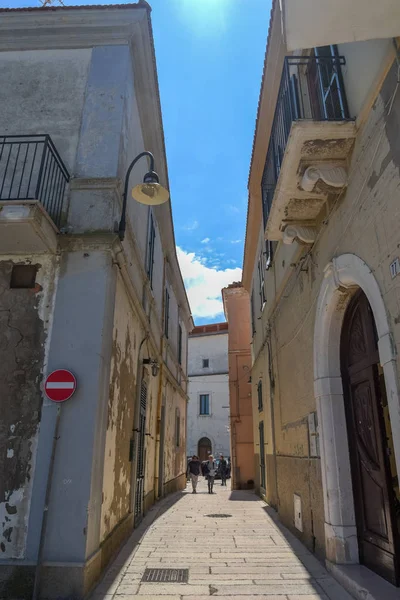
(298, 515)
(313, 435)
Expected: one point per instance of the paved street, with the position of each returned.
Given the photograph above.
(239, 556)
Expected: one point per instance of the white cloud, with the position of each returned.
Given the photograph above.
(235, 241)
(191, 226)
(203, 284)
(205, 241)
(231, 208)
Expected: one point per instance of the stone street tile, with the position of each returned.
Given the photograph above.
(301, 575)
(148, 597)
(207, 577)
(314, 567)
(240, 597)
(283, 588)
(308, 597)
(193, 554)
(127, 589)
(258, 570)
(249, 556)
(333, 589)
(181, 589)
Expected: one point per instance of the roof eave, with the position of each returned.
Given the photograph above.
(273, 62)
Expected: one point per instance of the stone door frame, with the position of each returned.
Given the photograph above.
(342, 277)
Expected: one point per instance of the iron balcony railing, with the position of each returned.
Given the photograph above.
(311, 88)
(31, 169)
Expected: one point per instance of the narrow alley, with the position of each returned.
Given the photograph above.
(231, 545)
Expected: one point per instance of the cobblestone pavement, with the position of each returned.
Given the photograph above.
(237, 557)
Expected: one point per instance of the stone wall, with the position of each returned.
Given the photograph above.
(25, 315)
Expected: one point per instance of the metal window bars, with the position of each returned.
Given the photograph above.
(32, 169)
(311, 88)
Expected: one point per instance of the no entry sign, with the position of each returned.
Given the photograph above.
(60, 385)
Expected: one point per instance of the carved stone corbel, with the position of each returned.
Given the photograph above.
(304, 234)
(333, 175)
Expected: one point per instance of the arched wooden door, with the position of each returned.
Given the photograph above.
(204, 448)
(374, 478)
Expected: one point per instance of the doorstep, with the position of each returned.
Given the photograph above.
(362, 583)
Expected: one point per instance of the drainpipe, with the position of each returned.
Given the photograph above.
(271, 378)
(159, 399)
(133, 441)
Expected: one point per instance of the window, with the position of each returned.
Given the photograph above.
(260, 395)
(204, 404)
(179, 344)
(253, 319)
(261, 281)
(150, 250)
(23, 276)
(206, 363)
(166, 313)
(269, 252)
(178, 427)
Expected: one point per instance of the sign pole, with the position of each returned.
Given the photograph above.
(59, 386)
(38, 570)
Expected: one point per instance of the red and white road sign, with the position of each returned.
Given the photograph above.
(60, 385)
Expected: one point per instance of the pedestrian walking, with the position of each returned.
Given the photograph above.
(223, 469)
(211, 470)
(194, 470)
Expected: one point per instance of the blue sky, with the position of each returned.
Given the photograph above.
(209, 55)
(209, 58)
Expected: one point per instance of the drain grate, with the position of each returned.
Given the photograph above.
(218, 516)
(166, 575)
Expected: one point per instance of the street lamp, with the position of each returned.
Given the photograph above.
(149, 192)
(153, 362)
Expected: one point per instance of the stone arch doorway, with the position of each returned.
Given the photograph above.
(343, 277)
(370, 441)
(204, 448)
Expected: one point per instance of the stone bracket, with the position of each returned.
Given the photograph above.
(304, 234)
(332, 175)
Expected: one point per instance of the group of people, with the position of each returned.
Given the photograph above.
(209, 469)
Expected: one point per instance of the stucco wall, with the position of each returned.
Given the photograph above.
(117, 467)
(214, 347)
(237, 312)
(25, 319)
(43, 92)
(214, 426)
(174, 456)
(363, 64)
(366, 222)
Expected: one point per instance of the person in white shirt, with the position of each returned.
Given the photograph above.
(211, 470)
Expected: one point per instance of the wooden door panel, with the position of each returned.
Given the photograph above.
(373, 496)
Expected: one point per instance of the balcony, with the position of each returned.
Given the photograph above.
(310, 144)
(33, 180)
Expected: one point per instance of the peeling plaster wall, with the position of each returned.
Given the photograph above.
(151, 430)
(25, 320)
(121, 404)
(174, 456)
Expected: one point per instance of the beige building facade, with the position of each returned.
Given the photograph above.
(80, 102)
(321, 267)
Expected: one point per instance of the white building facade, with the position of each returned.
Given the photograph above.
(208, 408)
